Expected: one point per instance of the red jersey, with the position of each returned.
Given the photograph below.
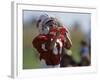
(41, 43)
(62, 31)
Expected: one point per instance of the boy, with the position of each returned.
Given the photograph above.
(50, 41)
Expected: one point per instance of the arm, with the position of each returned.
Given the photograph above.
(37, 45)
(37, 42)
(68, 42)
(54, 40)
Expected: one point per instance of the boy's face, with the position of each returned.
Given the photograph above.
(51, 24)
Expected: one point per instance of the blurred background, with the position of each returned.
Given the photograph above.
(79, 25)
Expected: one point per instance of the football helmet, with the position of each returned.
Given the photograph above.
(44, 23)
(42, 29)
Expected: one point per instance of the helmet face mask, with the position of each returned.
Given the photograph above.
(45, 23)
(45, 30)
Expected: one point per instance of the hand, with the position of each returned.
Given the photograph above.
(57, 34)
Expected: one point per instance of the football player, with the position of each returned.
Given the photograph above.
(84, 54)
(50, 41)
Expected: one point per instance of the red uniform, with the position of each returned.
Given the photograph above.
(62, 31)
(42, 43)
